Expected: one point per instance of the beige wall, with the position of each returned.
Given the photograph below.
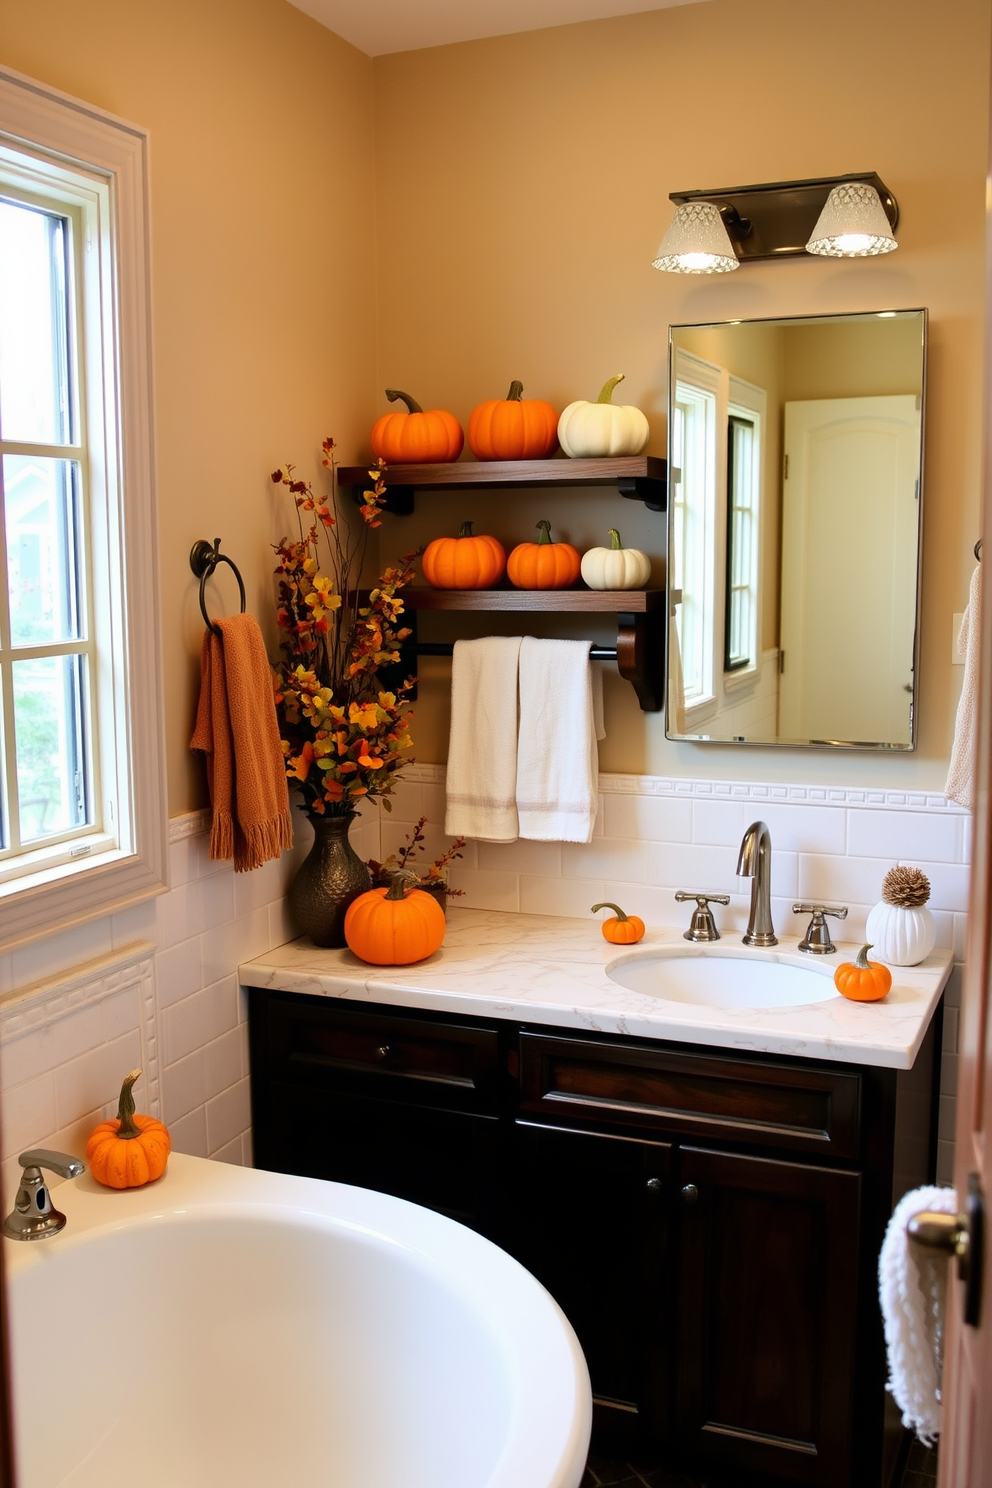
(853, 359)
(513, 195)
(264, 328)
(522, 190)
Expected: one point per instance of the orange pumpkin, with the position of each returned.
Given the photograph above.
(621, 929)
(544, 564)
(464, 562)
(128, 1150)
(863, 980)
(394, 926)
(513, 428)
(416, 437)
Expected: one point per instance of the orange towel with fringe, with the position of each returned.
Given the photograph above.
(237, 730)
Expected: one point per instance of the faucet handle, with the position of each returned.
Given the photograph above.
(34, 1216)
(817, 938)
(55, 1162)
(702, 926)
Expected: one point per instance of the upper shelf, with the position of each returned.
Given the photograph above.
(638, 477)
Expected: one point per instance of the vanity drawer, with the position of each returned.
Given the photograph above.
(383, 1055)
(774, 1105)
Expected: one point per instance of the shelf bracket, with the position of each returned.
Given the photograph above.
(641, 657)
(654, 493)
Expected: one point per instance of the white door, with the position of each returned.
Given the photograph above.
(850, 531)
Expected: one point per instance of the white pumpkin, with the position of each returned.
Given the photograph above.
(616, 567)
(588, 430)
(901, 936)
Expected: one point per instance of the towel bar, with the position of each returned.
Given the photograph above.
(446, 648)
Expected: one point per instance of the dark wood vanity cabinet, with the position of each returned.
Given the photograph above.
(709, 1223)
(407, 1105)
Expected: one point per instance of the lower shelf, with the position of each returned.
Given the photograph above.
(640, 648)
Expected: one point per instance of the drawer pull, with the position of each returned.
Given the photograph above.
(383, 1051)
(690, 1194)
(654, 1186)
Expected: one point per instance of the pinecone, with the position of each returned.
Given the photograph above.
(906, 887)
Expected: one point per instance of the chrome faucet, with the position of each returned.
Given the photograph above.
(34, 1216)
(755, 863)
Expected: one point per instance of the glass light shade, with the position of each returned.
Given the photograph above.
(696, 242)
(852, 224)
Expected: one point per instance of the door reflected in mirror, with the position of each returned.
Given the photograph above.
(795, 468)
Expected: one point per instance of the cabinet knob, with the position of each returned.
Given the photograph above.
(690, 1194)
(654, 1185)
(382, 1052)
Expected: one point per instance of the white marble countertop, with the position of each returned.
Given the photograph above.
(545, 969)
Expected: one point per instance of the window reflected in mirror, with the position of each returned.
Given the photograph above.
(795, 465)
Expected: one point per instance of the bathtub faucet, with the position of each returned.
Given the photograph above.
(34, 1216)
(755, 863)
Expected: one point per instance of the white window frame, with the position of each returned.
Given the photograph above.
(699, 383)
(745, 400)
(721, 394)
(59, 134)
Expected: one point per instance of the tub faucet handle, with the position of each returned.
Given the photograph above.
(817, 938)
(702, 926)
(34, 1216)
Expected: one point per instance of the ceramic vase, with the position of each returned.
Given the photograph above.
(900, 937)
(329, 878)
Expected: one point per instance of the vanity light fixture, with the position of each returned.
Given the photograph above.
(852, 216)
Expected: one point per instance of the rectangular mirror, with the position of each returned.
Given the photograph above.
(795, 452)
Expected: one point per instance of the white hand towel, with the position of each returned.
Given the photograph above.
(912, 1288)
(561, 712)
(960, 785)
(482, 746)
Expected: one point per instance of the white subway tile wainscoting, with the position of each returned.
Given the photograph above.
(156, 985)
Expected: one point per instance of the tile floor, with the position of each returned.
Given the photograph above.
(921, 1472)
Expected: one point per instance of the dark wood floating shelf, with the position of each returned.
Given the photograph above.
(638, 477)
(640, 648)
(571, 601)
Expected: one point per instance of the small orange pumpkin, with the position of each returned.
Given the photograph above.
(544, 564)
(863, 980)
(128, 1150)
(513, 428)
(394, 926)
(465, 561)
(621, 929)
(416, 437)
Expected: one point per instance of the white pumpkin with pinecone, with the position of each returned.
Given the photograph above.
(901, 927)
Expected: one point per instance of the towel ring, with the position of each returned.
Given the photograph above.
(203, 559)
(978, 550)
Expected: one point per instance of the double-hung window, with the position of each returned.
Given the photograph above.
(82, 820)
(716, 444)
(693, 517)
(743, 503)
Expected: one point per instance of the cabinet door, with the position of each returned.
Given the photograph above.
(768, 1291)
(444, 1160)
(593, 1226)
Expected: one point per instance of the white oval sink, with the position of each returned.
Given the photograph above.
(724, 981)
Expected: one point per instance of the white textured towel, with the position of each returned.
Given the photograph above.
(960, 785)
(482, 747)
(912, 1288)
(561, 718)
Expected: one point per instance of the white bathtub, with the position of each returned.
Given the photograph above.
(225, 1328)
